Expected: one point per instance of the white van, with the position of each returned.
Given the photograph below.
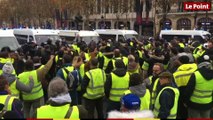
(7, 39)
(198, 35)
(116, 35)
(74, 35)
(37, 36)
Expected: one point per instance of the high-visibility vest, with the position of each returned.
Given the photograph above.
(57, 58)
(7, 101)
(124, 59)
(202, 93)
(106, 61)
(13, 89)
(173, 111)
(135, 71)
(183, 74)
(119, 86)
(148, 46)
(140, 54)
(181, 45)
(82, 73)
(87, 56)
(75, 47)
(154, 93)
(37, 91)
(49, 111)
(95, 89)
(145, 65)
(69, 68)
(145, 100)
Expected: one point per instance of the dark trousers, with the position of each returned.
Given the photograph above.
(91, 105)
(112, 105)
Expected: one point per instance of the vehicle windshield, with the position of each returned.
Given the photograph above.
(130, 36)
(88, 39)
(43, 38)
(10, 42)
(207, 36)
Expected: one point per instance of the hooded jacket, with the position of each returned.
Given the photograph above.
(19, 85)
(139, 90)
(131, 114)
(207, 74)
(121, 72)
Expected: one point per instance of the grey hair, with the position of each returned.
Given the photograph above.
(57, 87)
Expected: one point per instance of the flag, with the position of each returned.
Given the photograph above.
(148, 8)
(139, 9)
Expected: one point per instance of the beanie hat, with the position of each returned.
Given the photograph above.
(8, 68)
(131, 101)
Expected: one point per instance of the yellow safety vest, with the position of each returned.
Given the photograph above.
(154, 93)
(75, 47)
(87, 56)
(119, 86)
(49, 111)
(148, 46)
(181, 45)
(145, 100)
(95, 89)
(82, 73)
(7, 101)
(145, 65)
(202, 93)
(106, 61)
(13, 89)
(37, 91)
(173, 111)
(183, 74)
(57, 58)
(124, 59)
(69, 68)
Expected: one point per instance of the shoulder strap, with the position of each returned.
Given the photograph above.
(69, 112)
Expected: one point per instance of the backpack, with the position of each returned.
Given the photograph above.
(73, 79)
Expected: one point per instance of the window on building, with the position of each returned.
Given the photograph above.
(184, 23)
(205, 24)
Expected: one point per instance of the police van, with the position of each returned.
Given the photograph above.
(117, 35)
(74, 35)
(7, 39)
(198, 35)
(37, 36)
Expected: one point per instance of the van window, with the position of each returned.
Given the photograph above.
(170, 37)
(22, 39)
(121, 38)
(10, 42)
(43, 38)
(88, 39)
(30, 38)
(130, 36)
(68, 39)
(106, 37)
(198, 38)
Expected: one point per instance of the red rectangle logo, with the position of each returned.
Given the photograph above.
(206, 6)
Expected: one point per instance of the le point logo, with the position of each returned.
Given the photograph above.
(205, 6)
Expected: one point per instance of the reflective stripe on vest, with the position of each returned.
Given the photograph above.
(37, 91)
(154, 93)
(203, 90)
(95, 89)
(173, 111)
(145, 100)
(70, 69)
(7, 101)
(59, 112)
(183, 74)
(119, 86)
(14, 91)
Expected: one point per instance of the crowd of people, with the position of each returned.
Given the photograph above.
(136, 79)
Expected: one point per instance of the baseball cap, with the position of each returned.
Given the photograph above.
(131, 101)
(166, 74)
